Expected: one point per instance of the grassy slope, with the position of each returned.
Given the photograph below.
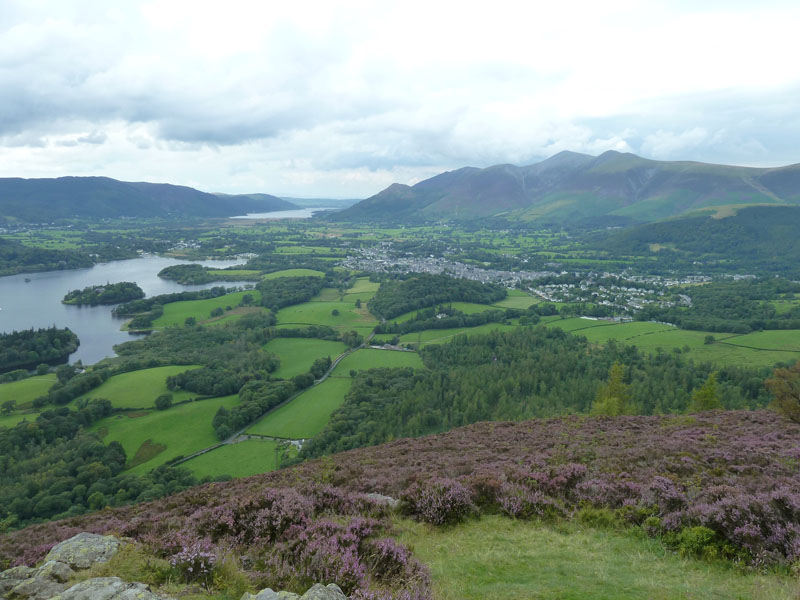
(294, 273)
(181, 429)
(175, 313)
(139, 389)
(319, 313)
(504, 559)
(306, 415)
(372, 359)
(238, 460)
(297, 354)
(440, 336)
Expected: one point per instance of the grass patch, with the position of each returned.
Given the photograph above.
(440, 336)
(467, 308)
(176, 313)
(500, 558)
(27, 390)
(306, 415)
(517, 299)
(146, 451)
(294, 273)
(181, 429)
(237, 460)
(139, 389)
(370, 358)
(297, 354)
(321, 313)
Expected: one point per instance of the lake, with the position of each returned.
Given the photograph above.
(301, 213)
(37, 303)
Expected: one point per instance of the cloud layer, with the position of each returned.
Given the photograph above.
(341, 99)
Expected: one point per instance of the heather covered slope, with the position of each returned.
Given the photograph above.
(37, 200)
(571, 187)
(720, 484)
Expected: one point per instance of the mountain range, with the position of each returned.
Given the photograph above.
(37, 200)
(616, 188)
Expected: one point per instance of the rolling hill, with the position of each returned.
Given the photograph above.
(612, 188)
(37, 200)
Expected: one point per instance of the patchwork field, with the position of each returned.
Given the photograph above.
(294, 273)
(152, 438)
(298, 354)
(468, 308)
(517, 299)
(237, 460)
(321, 313)
(306, 415)
(139, 389)
(369, 358)
(440, 336)
(176, 313)
(759, 349)
(27, 390)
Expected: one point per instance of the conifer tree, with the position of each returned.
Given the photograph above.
(706, 397)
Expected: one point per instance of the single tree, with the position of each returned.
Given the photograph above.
(614, 398)
(785, 384)
(163, 402)
(706, 397)
(8, 406)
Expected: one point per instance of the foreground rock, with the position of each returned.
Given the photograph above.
(108, 588)
(84, 550)
(49, 580)
(315, 592)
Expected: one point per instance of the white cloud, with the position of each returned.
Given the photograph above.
(321, 98)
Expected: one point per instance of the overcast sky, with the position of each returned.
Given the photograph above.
(340, 99)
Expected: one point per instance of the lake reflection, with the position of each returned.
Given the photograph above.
(37, 302)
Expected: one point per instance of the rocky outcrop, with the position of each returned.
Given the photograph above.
(315, 592)
(49, 580)
(108, 588)
(84, 550)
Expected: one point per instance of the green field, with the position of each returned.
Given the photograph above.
(158, 436)
(363, 289)
(27, 390)
(759, 349)
(505, 559)
(176, 313)
(320, 313)
(237, 460)
(306, 415)
(517, 299)
(139, 389)
(297, 354)
(369, 358)
(468, 308)
(439, 336)
(294, 273)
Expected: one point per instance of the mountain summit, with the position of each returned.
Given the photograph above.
(570, 187)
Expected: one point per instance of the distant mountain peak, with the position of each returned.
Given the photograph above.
(571, 187)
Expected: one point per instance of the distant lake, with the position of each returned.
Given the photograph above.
(302, 213)
(37, 303)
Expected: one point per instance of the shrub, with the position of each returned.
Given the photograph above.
(438, 501)
(163, 402)
(196, 561)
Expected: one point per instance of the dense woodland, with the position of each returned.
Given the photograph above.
(732, 306)
(525, 373)
(18, 258)
(194, 274)
(110, 293)
(53, 468)
(396, 297)
(285, 291)
(29, 348)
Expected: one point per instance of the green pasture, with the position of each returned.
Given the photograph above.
(328, 295)
(241, 459)
(321, 313)
(294, 273)
(27, 390)
(440, 336)
(370, 358)
(468, 308)
(151, 438)
(759, 349)
(504, 559)
(517, 299)
(307, 414)
(139, 389)
(16, 417)
(298, 354)
(176, 313)
(363, 289)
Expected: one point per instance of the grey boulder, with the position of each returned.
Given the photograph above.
(324, 592)
(84, 550)
(108, 588)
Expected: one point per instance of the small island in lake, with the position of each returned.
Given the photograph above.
(28, 348)
(110, 293)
